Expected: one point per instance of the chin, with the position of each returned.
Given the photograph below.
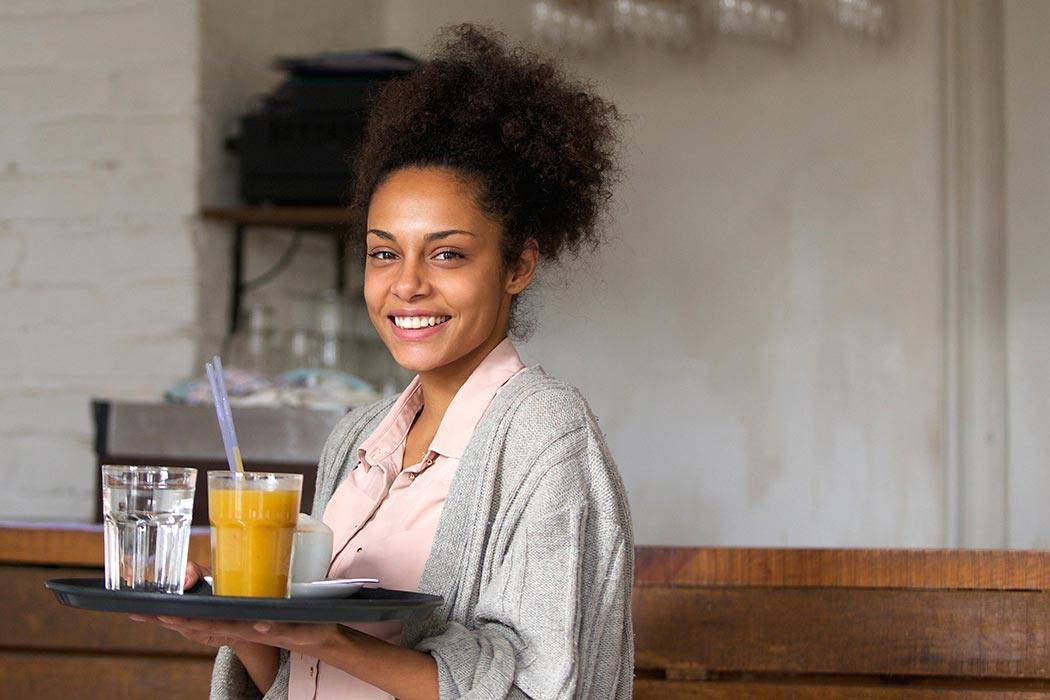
(418, 359)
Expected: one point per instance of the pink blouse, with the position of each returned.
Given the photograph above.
(384, 517)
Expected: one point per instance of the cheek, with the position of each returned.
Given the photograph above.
(374, 293)
(478, 296)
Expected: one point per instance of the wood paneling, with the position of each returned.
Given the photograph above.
(857, 568)
(81, 545)
(788, 689)
(33, 619)
(842, 631)
(87, 676)
(709, 623)
(70, 545)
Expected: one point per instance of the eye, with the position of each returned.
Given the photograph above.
(448, 255)
(381, 255)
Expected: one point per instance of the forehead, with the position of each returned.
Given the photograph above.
(418, 201)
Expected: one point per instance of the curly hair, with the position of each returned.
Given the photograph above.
(539, 147)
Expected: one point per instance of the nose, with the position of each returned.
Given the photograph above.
(411, 282)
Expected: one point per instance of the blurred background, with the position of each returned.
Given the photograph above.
(821, 318)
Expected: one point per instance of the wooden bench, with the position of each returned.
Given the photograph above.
(50, 651)
(794, 623)
(709, 623)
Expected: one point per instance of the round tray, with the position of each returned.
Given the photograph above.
(367, 605)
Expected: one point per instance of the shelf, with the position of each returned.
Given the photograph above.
(330, 221)
(325, 217)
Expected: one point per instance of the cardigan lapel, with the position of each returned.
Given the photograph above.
(465, 519)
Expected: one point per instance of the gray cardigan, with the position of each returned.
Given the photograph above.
(534, 555)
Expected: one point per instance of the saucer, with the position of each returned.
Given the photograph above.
(333, 588)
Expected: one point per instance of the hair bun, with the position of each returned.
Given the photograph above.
(541, 146)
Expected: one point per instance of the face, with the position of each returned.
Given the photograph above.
(435, 286)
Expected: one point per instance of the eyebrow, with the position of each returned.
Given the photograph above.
(436, 235)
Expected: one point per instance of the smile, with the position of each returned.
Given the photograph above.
(419, 321)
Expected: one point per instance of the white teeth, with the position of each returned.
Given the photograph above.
(419, 321)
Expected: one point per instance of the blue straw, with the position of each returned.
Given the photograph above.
(224, 414)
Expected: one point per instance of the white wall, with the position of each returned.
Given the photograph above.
(98, 189)
(762, 337)
(1028, 275)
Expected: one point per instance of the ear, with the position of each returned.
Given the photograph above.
(524, 268)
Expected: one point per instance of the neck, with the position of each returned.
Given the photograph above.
(440, 385)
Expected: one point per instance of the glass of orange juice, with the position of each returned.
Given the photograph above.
(253, 516)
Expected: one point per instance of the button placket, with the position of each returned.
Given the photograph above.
(361, 522)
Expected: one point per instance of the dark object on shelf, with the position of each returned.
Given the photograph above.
(298, 146)
(367, 605)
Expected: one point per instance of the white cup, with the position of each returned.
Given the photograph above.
(313, 550)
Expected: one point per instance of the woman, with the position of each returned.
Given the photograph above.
(485, 482)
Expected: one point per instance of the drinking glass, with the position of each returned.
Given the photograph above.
(253, 517)
(147, 513)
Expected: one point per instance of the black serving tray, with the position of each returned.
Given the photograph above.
(367, 605)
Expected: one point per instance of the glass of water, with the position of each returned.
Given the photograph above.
(147, 513)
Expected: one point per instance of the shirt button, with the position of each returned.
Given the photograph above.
(311, 672)
(411, 476)
(360, 548)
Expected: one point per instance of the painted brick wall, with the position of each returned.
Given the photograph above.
(112, 116)
(99, 164)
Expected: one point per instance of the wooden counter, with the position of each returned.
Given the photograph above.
(709, 623)
(69, 544)
(49, 650)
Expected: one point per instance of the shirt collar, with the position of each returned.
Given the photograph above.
(461, 417)
(470, 402)
(392, 431)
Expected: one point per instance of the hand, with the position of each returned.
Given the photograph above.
(294, 636)
(400, 671)
(194, 574)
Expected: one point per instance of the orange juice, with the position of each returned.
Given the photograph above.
(252, 530)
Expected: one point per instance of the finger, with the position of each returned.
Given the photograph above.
(290, 635)
(188, 623)
(210, 628)
(193, 575)
(273, 634)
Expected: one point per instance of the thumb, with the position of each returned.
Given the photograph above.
(193, 575)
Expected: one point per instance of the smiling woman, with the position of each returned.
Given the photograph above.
(486, 482)
(447, 287)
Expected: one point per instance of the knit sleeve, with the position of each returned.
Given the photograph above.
(230, 680)
(553, 616)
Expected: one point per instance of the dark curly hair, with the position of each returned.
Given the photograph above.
(539, 147)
